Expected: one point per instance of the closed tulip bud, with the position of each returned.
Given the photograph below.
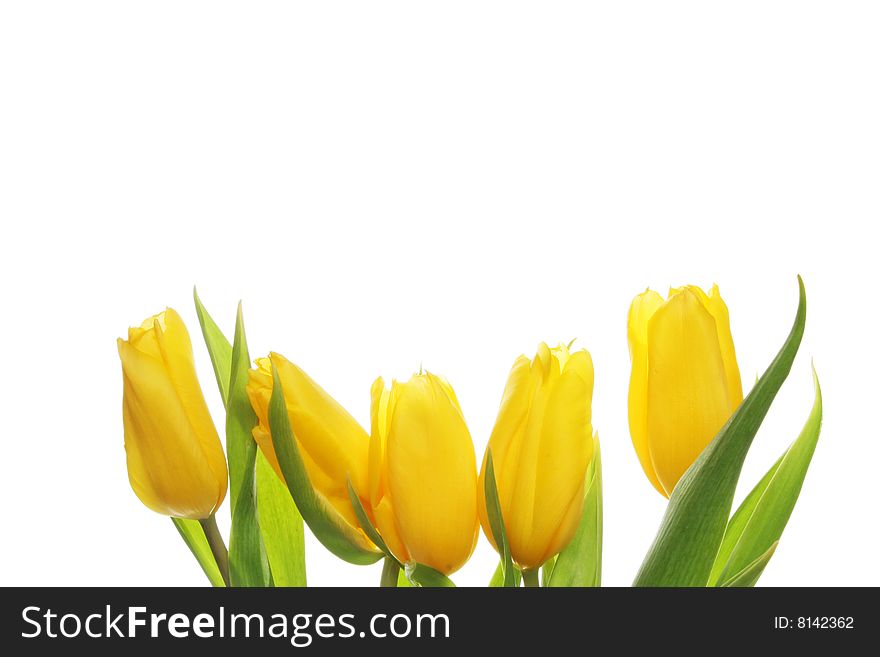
(541, 447)
(333, 446)
(423, 473)
(176, 464)
(685, 382)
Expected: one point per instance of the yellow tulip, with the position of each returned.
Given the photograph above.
(176, 464)
(333, 445)
(541, 447)
(685, 382)
(423, 473)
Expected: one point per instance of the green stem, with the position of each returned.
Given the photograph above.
(390, 569)
(530, 578)
(218, 547)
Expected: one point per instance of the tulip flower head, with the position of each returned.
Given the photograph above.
(334, 447)
(175, 460)
(541, 447)
(685, 382)
(423, 473)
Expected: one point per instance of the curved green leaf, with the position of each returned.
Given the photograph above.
(194, 536)
(496, 523)
(425, 576)
(761, 518)
(281, 527)
(248, 565)
(749, 575)
(738, 523)
(365, 523)
(580, 562)
(694, 524)
(343, 540)
(219, 348)
(279, 521)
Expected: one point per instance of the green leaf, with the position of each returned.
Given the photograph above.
(497, 580)
(694, 524)
(248, 564)
(749, 575)
(402, 581)
(343, 540)
(281, 527)
(218, 347)
(194, 537)
(580, 562)
(496, 523)
(761, 518)
(365, 523)
(248, 560)
(425, 576)
(738, 523)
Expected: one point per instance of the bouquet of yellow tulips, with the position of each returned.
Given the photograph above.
(408, 490)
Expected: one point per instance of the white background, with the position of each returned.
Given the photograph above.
(387, 184)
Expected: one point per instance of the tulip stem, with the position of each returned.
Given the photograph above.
(390, 569)
(530, 578)
(218, 547)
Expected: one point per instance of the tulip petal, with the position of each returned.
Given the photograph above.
(558, 458)
(259, 389)
(566, 443)
(333, 446)
(319, 510)
(168, 467)
(379, 396)
(718, 309)
(642, 309)
(687, 400)
(518, 447)
(324, 429)
(175, 346)
(543, 360)
(509, 426)
(541, 447)
(516, 474)
(143, 337)
(566, 527)
(386, 523)
(432, 475)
